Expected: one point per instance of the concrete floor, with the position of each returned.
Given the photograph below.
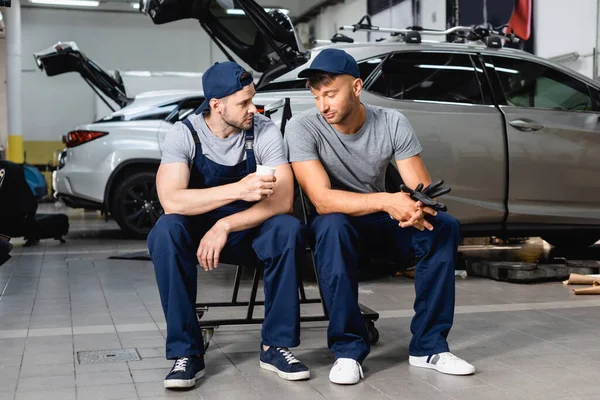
(526, 341)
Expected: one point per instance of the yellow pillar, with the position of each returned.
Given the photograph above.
(15, 148)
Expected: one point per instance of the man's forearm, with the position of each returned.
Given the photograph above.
(349, 203)
(200, 201)
(257, 214)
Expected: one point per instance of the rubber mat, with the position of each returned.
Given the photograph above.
(525, 272)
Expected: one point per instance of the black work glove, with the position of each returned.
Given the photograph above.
(427, 195)
(435, 189)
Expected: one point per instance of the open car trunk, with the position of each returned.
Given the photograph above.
(266, 41)
(65, 57)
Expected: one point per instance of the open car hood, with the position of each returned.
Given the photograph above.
(266, 41)
(65, 57)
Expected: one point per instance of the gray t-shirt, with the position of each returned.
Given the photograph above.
(357, 162)
(179, 145)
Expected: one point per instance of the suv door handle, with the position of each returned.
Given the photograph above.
(526, 125)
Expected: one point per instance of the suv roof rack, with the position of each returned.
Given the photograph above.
(491, 37)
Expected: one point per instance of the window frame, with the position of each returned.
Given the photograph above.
(485, 89)
(173, 116)
(595, 99)
(371, 77)
(501, 95)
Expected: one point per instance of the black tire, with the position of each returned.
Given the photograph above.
(135, 205)
(569, 241)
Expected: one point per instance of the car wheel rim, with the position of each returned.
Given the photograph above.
(141, 206)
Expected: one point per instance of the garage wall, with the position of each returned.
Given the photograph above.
(561, 27)
(397, 17)
(325, 25)
(128, 41)
(349, 12)
(433, 16)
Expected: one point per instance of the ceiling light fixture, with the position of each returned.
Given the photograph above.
(76, 3)
(282, 10)
(135, 5)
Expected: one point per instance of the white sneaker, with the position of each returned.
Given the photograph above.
(446, 363)
(346, 371)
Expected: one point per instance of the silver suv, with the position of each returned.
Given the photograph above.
(517, 137)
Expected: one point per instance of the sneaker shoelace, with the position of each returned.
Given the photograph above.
(180, 365)
(447, 356)
(289, 357)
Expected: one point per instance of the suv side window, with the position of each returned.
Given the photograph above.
(533, 85)
(446, 77)
(186, 108)
(367, 67)
(285, 85)
(158, 113)
(595, 93)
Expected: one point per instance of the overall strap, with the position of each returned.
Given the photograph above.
(250, 145)
(189, 125)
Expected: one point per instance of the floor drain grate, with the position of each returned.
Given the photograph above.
(107, 356)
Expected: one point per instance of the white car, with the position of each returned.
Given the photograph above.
(515, 136)
(110, 165)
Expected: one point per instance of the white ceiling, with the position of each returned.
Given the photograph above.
(296, 7)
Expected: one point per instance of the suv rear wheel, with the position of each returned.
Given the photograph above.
(135, 205)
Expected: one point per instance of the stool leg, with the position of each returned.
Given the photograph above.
(236, 284)
(253, 294)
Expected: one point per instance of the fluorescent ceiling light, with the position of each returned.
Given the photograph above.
(507, 70)
(451, 67)
(135, 5)
(282, 10)
(237, 11)
(77, 3)
(1, 15)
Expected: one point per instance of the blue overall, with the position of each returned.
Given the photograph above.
(277, 244)
(337, 240)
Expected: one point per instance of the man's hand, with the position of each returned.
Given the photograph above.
(256, 187)
(410, 213)
(211, 246)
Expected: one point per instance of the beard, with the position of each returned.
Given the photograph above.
(243, 125)
(341, 115)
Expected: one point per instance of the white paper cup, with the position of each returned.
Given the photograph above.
(265, 170)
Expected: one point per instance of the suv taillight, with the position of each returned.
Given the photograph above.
(75, 138)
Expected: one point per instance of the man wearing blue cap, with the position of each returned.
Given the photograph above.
(339, 153)
(217, 205)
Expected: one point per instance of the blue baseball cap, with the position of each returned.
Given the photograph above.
(334, 61)
(221, 80)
